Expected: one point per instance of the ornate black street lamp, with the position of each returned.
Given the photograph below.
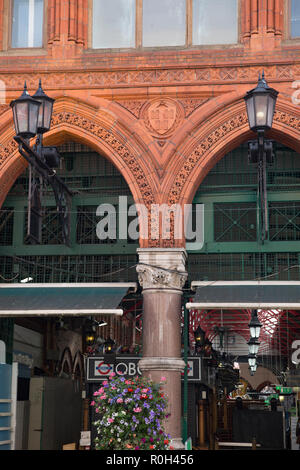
(45, 110)
(25, 113)
(260, 103)
(32, 117)
(254, 325)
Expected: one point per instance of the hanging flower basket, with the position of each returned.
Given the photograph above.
(131, 414)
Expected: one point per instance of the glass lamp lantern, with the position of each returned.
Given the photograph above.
(45, 111)
(260, 103)
(251, 360)
(199, 336)
(25, 114)
(253, 346)
(108, 346)
(254, 325)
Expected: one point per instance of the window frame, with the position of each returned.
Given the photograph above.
(139, 32)
(7, 48)
(288, 23)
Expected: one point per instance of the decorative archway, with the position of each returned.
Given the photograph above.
(66, 363)
(99, 130)
(217, 135)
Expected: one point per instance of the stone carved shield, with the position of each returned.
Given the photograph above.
(161, 116)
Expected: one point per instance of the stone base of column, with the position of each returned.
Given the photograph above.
(177, 444)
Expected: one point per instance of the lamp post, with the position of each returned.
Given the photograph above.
(260, 103)
(32, 117)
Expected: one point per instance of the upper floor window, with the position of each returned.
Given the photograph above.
(295, 18)
(215, 21)
(164, 23)
(113, 23)
(27, 23)
(161, 23)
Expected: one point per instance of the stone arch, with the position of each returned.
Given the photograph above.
(212, 142)
(66, 362)
(96, 128)
(78, 366)
(217, 135)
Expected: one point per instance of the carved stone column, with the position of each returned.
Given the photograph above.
(162, 276)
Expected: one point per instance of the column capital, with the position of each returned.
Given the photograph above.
(162, 268)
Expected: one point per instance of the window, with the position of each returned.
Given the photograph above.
(215, 21)
(163, 23)
(295, 18)
(113, 23)
(27, 23)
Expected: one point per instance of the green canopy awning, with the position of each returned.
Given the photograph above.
(62, 299)
(246, 294)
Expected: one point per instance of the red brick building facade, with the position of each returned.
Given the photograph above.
(164, 115)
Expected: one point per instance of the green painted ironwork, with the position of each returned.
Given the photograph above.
(232, 249)
(95, 181)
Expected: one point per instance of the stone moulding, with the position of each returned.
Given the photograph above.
(161, 363)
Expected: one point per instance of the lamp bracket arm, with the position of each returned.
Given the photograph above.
(35, 160)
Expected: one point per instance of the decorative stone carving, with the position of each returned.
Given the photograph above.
(190, 104)
(199, 152)
(156, 278)
(162, 116)
(117, 147)
(134, 106)
(161, 268)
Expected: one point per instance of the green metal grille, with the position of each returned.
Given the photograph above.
(244, 266)
(284, 221)
(84, 268)
(86, 226)
(234, 173)
(51, 227)
(6, 225)
(235, 222)
(84, 170)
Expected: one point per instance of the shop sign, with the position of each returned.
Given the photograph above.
(125, 366)
(284, 390)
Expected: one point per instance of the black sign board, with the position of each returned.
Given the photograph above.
(127, 366)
